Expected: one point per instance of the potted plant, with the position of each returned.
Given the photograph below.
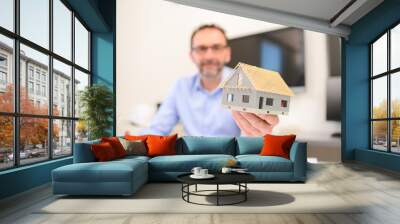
(96, 103)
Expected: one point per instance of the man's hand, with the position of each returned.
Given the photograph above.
(255, 124)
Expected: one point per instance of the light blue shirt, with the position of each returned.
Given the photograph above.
(199, 110)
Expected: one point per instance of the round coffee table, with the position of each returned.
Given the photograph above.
(238, 179)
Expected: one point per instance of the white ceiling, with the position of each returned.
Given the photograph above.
(326, 16)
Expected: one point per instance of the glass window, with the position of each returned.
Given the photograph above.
(81, 81)
(379, 55)
(33, 140)
(379, 135)
(81, 131)
(62, 138)
(34, 21)
(6, 73)
(245, 98)
(395, 95)
(7, 14)
(6, 142)
(379, 97)
(40, 62)
(62, 72)
(81, 45)
(62, 29)
(395, 47)
(395, 136)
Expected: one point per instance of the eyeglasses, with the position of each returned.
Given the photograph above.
(216, 48)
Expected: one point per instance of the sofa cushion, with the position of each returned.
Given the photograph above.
(161, 145)
(249, 145)
(83, 152)
(197, 145)
(257, 163)
(103, 152)
(277, 145)
(116, 145)
(185, 163)
(111, 171)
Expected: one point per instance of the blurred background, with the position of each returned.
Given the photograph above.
(153, 52)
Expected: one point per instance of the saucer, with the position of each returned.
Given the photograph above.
(208, 176)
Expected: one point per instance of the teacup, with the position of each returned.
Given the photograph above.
(203, 172)
(196, 170)
(226, 170)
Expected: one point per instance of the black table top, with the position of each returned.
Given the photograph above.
(220, 178)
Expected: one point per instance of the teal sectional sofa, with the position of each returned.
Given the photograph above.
(125, 176)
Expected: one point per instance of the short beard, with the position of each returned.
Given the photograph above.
(211, 74)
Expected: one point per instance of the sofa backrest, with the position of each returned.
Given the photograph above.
(193, 145)
(249, 145)
(83, 152)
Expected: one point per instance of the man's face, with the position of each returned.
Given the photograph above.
(210, 52)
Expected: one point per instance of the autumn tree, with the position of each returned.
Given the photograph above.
(33, 131)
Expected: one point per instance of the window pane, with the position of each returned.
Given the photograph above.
(62, 89)
(34, 97)
(379, 55)
(35, 21)
(395, 94)
(379, 97)
(81, 81)
(395, 136)
(33, 140)
(395, 47)
(62, 138)
(6, 142)
(6, 74)
(379, 135)
(7, 14)
(81, 131)
(62, 29)
(81, 45)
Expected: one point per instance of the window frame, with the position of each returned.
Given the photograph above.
(15, 72)
(388, 74)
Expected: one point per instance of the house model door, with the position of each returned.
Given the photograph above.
(261, 102)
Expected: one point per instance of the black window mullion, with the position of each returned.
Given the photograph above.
(73, 82)
(16, 84)
(50, 87)
(389, 101)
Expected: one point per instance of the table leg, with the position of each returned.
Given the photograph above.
(196, 187)
(217, 194)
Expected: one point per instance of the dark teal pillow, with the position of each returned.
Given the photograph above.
(192, 145)
(249, 145)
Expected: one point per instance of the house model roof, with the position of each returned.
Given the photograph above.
(263, 80)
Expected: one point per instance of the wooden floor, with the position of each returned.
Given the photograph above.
(377, 188)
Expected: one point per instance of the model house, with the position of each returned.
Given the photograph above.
(257, 90)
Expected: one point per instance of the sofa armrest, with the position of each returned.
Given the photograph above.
(298, 155)
(83, 152)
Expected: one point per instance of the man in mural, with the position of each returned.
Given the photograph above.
(195, 101)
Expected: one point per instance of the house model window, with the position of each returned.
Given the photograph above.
(269, 102)
(246, 98)
(230, 97)
(283, 103)
(250, 81)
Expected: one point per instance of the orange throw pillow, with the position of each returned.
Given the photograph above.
(161, 145)
(103, 151)
(275, 145)
(116, 145)
(136, 137)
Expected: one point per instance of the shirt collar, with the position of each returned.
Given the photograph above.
(226, 72)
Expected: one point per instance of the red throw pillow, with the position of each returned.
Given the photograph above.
(161, 145)
(275, 145)
(103, 151)
(116, 145)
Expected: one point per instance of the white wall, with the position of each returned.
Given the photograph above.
(152, 52)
